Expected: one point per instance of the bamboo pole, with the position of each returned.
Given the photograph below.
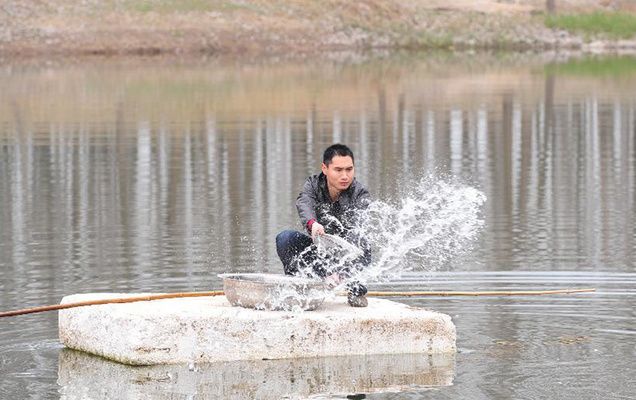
(133, 299)
(486, 293)
(150, 297)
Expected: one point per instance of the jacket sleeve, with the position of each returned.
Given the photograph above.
(306, 203)
(360, 201)
(363, 199)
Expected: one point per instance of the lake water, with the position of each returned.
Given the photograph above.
(155, 175)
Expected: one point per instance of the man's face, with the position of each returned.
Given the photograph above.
(339, 172)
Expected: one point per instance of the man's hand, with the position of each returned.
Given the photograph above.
(333, 280)
(317, 230)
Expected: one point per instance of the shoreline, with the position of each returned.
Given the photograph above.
(264, 27)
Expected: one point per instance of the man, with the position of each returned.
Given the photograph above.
(330, 202)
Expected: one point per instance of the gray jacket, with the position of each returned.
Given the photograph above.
(337, 217)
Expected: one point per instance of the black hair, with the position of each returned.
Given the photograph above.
(336, 150)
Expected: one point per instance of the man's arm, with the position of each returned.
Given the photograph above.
(306, 205)
(363, 199)
(360, 202)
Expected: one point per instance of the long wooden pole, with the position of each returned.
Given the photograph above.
(150, 297)
(487, 293)
(133, 299)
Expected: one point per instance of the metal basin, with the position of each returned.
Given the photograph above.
(273, 292)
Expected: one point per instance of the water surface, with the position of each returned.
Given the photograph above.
(135, 175)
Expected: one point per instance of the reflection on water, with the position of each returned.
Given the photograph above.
(155, 175)
(144, 194)
(84, 376)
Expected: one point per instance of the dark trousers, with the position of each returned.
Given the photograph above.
(295, 249)
(298, 251)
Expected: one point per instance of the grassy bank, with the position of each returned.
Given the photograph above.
(613, 25)
(294, 26)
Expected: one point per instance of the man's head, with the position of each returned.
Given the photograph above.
(337, 165)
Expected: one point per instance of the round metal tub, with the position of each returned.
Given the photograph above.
(273, 292)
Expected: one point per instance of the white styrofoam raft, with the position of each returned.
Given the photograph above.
(209, 329)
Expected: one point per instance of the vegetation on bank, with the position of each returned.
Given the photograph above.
(614, 25)
(237, 27)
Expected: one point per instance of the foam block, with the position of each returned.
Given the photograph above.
(209, 329)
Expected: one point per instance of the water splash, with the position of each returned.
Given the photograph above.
(435, 221)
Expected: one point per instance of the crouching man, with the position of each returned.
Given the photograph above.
(330, 202)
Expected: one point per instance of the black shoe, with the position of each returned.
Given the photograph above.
(356, 289)
(357, 301)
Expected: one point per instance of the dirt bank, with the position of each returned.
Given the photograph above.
(35, 27)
